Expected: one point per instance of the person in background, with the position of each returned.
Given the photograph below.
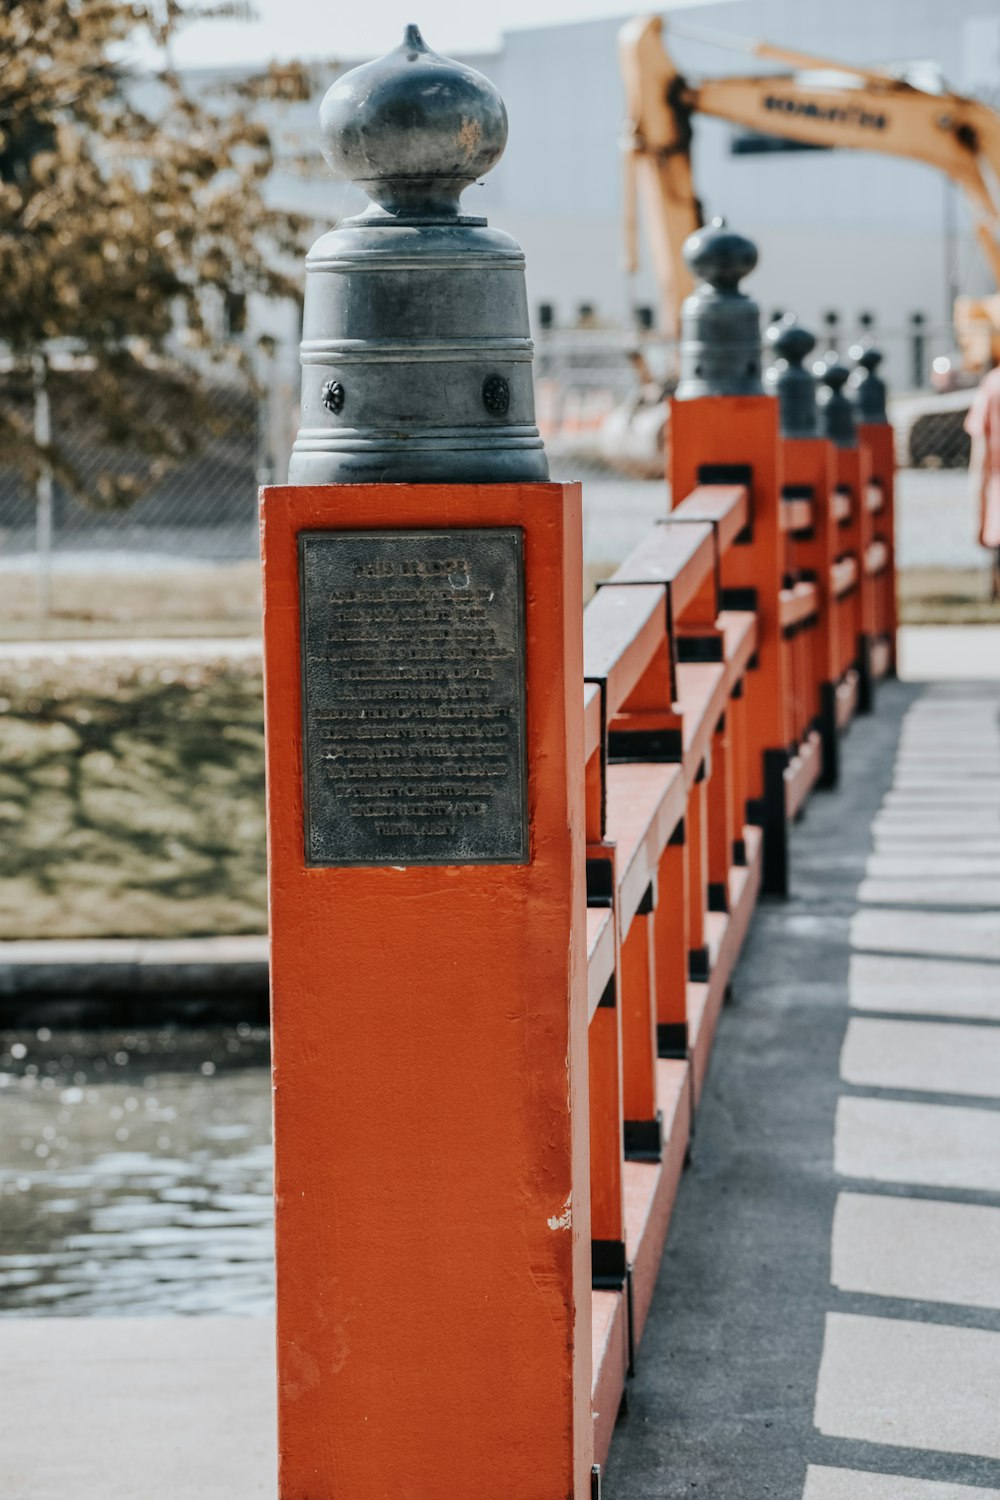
(983, 426)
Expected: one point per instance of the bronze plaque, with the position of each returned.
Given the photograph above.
(413, 697)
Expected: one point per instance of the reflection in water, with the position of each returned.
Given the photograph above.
(135, 1173)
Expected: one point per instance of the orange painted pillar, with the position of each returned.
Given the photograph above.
(670, 939)
(608, 1263)
(879, 439)
(720, 818)
(642, 1133)
(696, 851)
(809, 467)
(736, 719)
(429, 1019)
(853, 473)
(734, 439)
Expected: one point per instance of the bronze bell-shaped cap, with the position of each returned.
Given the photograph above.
(413, 129)
(416, 359)
(836, 411)
(794, 386)
(720, 325)
(866, 386)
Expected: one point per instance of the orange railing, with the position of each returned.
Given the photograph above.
(442, 1006)
(695, 763)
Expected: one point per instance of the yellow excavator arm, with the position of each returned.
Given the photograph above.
(657, 162)
(875, 111)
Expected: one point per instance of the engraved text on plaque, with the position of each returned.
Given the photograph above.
(413, 697)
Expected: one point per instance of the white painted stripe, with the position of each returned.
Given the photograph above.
(940, 891)
(910, 1385)
(962, 797)
(914, 755)
(965, 935)
(945, 776)
(947, 866)
(855, 1484)
(937, 703)
(985, 776)
(909, 1247)
(974, 812)
(963, 793)
(918, 785)
(926, 849)
(924, 986)
(935, 1145)
(955, 793)
(933, 1057)
(962, 821)
(983, 841)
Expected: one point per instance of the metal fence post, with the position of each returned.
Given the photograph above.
(43, 482)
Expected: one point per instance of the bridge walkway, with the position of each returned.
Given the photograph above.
(826, 1324)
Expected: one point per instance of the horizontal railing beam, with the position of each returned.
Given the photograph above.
(726, 506)
(681, 557)
(624, 629)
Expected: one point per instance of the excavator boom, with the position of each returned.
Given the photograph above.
(875, 111)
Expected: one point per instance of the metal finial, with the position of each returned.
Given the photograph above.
(720, 325)
(794, 386)
(867, 387)
(836, 411)
(413, 129)
(720, 256)
(416, 351)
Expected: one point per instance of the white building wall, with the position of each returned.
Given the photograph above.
(846, 232)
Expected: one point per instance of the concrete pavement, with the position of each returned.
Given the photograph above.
(137, 1409)
(827, 1321)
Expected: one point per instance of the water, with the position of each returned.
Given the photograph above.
(135, 1173)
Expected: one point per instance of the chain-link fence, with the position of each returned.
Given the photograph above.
(202, 507)
(184, 555)
(601, 398)
(596, 388)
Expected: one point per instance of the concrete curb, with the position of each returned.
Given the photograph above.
(126, 981)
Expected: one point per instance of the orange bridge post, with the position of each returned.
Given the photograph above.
(426, 825)
(724, 430)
